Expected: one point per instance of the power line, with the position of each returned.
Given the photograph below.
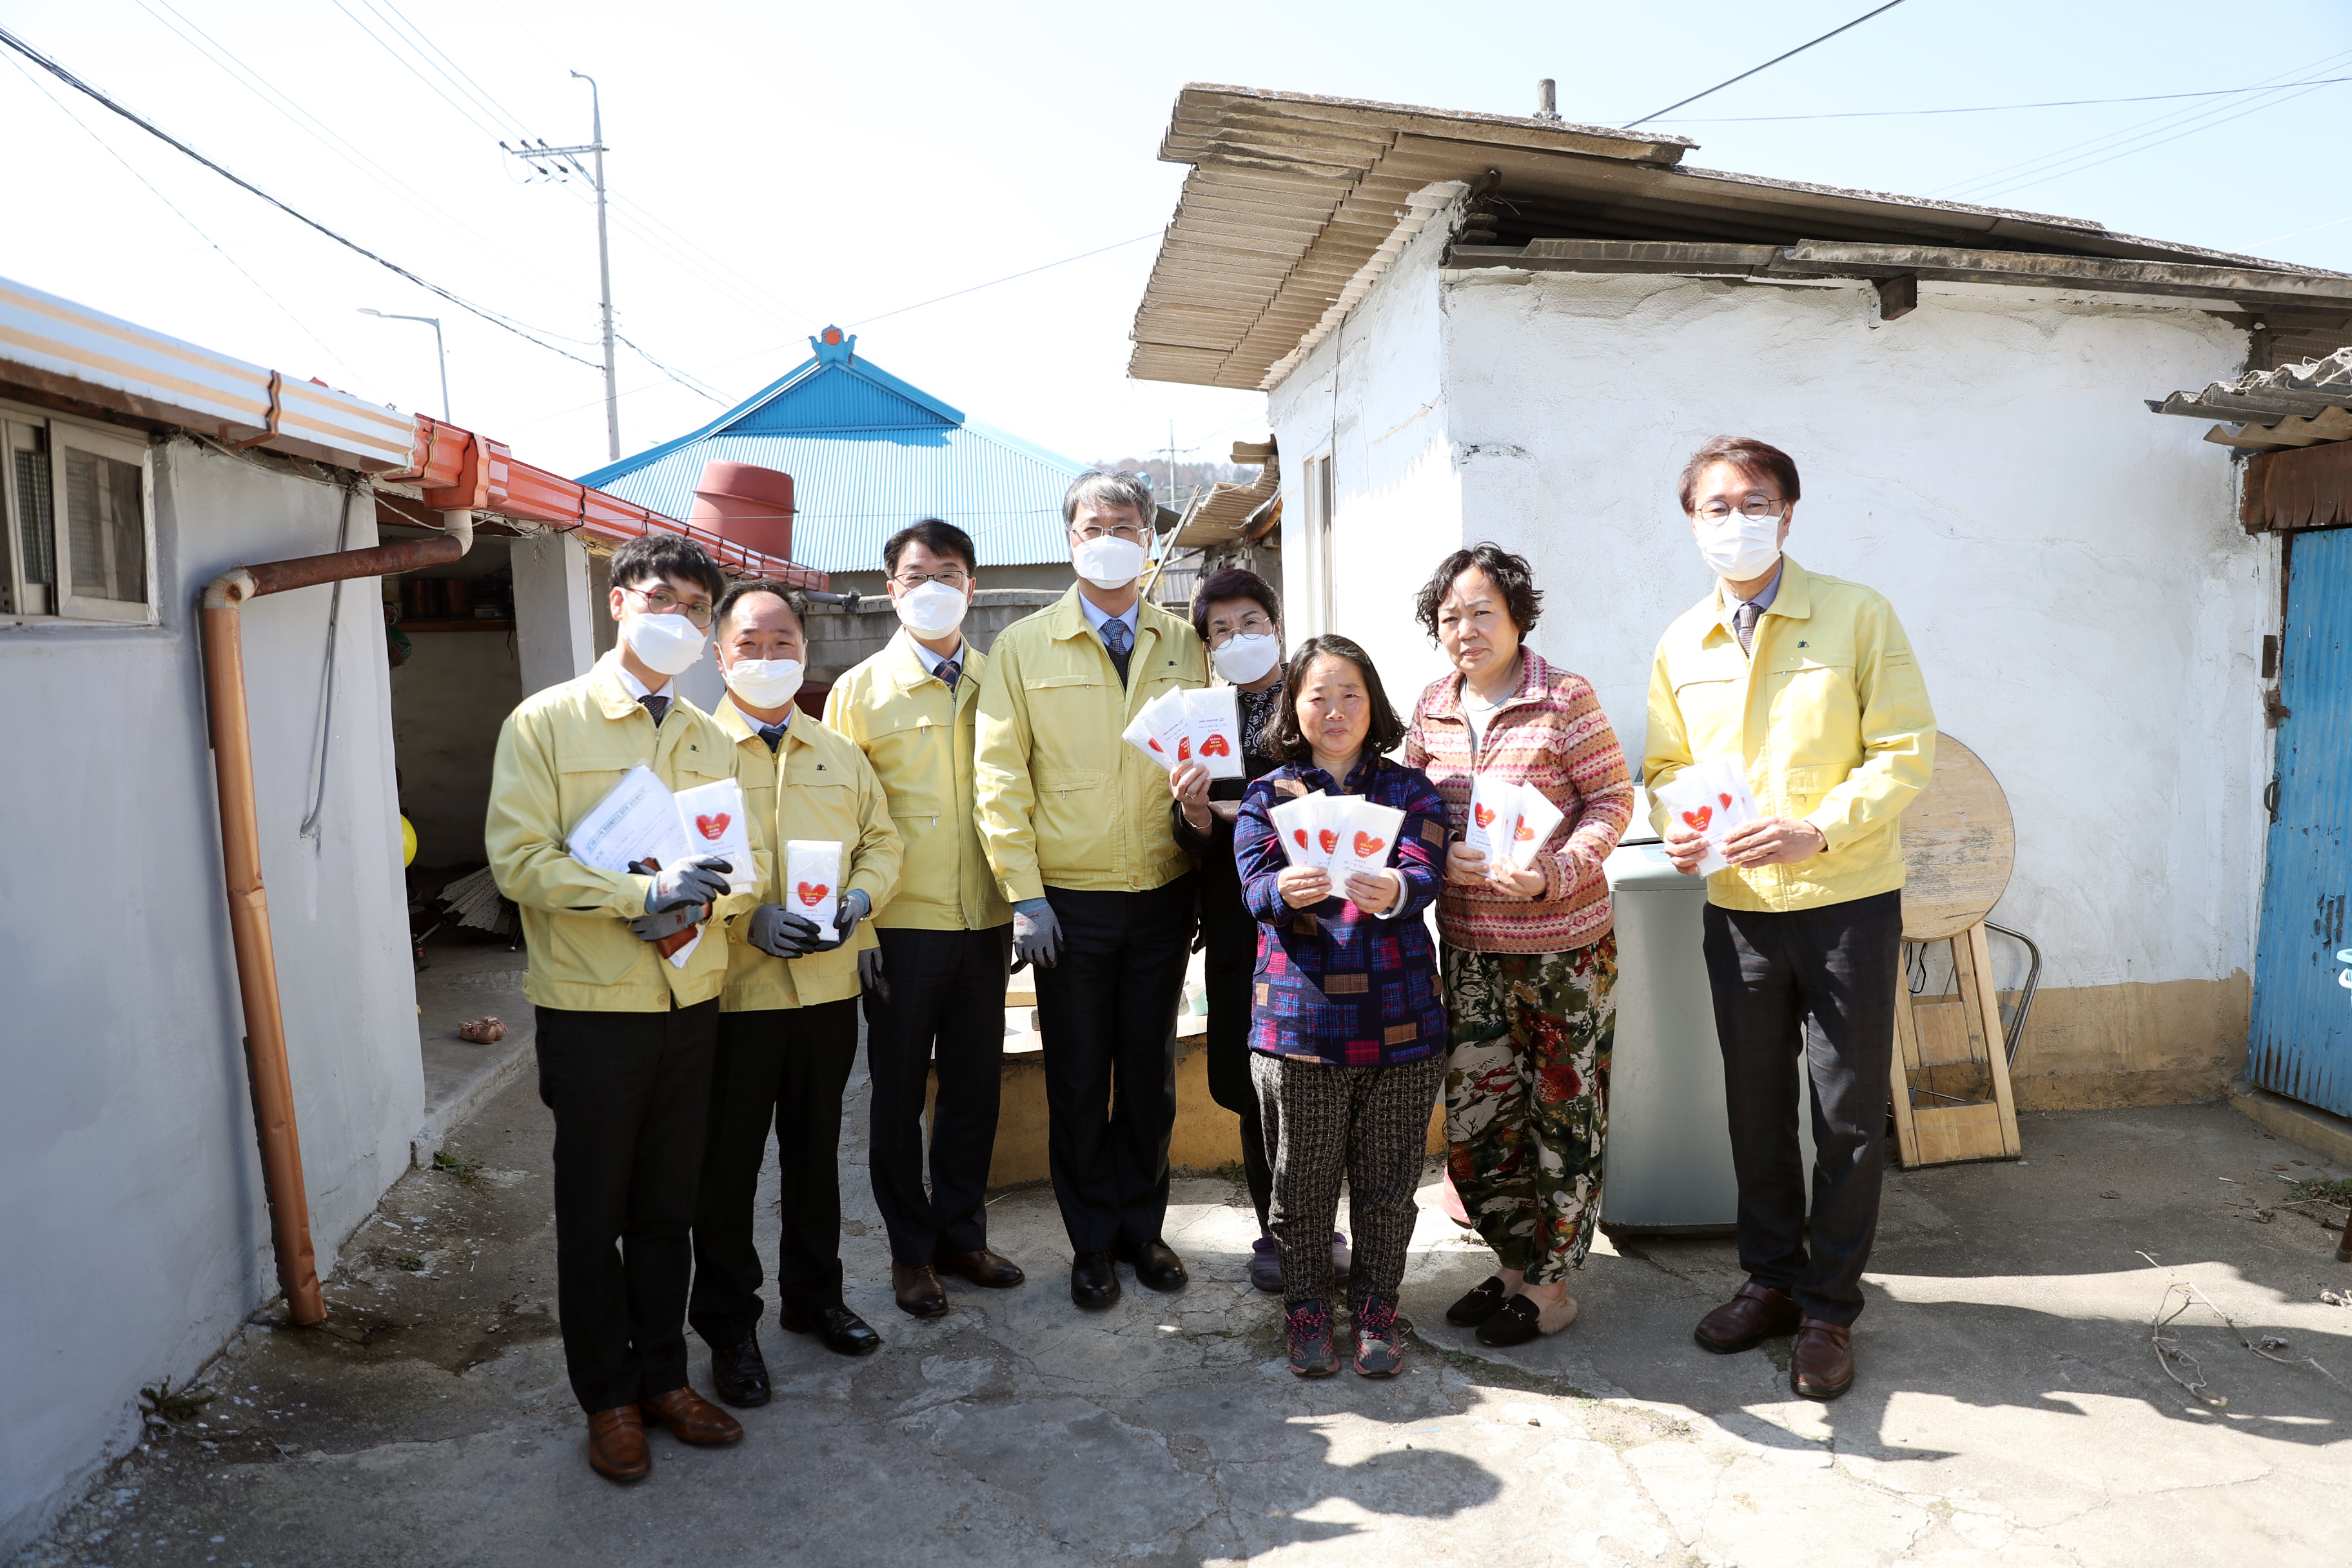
(1767, 65)
(409, 66)
(2005, 108)
(478, 91)
(71, 80)
(1009, 277)
(691, 383)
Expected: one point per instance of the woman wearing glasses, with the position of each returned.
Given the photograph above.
(1239, 617)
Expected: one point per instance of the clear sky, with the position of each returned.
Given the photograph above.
(778, 168)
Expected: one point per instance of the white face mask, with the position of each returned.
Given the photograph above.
(668, 644)
(1109, 562)
(764, 682)
(933, 610)
(1246, 657)
(1740, 548)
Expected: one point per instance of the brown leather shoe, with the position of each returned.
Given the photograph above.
(1822, 1367)
(691, 1418)
(919, 1290)
(1757, 1313)
(980, 1267)
(616, 1443)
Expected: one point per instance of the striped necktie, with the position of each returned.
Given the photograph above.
(1743, 620)
(951, 672)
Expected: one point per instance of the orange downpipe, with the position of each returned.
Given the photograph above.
(248, 904)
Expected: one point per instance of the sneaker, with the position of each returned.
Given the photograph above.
(1340, 1262)
(1380, 1339)
(1265, 1265)
(1308, 1325)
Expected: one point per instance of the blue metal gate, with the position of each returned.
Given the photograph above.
(2301, 1043)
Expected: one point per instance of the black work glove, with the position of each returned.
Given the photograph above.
(694, 882)
(779, 933)
(854, 906)
(869, 973)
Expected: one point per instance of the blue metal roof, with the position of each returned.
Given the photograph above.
(868, 454)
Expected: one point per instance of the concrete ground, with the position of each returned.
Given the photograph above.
(2010, 1407)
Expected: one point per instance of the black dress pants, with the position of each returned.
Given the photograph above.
(785, 1068)
(1820, 981)
(1228, 963)
(1107, 1012)
(946, 1007)
(631, 1094)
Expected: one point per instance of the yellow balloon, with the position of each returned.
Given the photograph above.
(407, 843)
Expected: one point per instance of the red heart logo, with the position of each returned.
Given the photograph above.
(1184, 749)
(1696, 821)
(812, 893)
(712, 826)
(1300, 835)
(1155, 746)
(1216, 746)
(1726, 800)
(1329, 837)
(1484, 814)
(1367, 845)
(1525, 832)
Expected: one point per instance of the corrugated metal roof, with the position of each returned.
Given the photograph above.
(1291, 198)
(868, 454)
(2299, 404)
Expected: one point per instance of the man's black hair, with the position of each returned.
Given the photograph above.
(666, 555)
(940, 538)
(794, 600)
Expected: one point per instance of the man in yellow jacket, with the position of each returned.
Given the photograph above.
(1809, 687)
(1076, 825)
(624, 1036)
(788, 1020)
(935, 986)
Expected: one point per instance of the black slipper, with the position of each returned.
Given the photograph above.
(1513, 1323)
(1477, 1306)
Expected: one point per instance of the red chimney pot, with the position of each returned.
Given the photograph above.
(747, 505)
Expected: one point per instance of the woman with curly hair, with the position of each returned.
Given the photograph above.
(1529, 960)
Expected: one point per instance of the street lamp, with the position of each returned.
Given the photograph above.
(438, 348)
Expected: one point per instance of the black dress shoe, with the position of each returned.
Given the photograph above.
(1156, 1266)
(738, 1374)
(1093, 1283)
(840, 1329)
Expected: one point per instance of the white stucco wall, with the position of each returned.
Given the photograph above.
(134, 1228)
(2088, 614)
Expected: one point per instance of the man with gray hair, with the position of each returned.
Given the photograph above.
(1075, 827)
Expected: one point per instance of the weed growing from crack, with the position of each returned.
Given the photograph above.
(409, 1261)
(181, 1403)
(2320, 1190)
(457, 1165)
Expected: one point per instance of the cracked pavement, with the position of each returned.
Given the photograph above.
(2010, 1408)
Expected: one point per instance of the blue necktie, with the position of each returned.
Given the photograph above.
(1118, 639)
(949, 671)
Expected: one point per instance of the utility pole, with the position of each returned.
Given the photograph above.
(532, 151)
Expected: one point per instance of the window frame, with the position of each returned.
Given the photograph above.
(66, 606)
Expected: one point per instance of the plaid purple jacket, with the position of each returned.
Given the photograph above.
(1333, 983)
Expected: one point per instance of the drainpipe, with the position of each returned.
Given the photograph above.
(248, 905)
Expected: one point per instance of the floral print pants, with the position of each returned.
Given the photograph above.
(1526, 1098)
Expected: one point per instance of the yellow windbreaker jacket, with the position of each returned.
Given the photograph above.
(560, 751)
(918, 737)
(1829, 716)
(1061, 798)
(826, 791)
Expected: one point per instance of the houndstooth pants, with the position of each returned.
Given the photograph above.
(1369, 1125)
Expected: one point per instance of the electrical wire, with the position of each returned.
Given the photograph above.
(690, 383)
(71, 80)
(2001, 107)
(1009, 277)
(474, 88)
(132, 171)
(410, 66)
(1743, 76)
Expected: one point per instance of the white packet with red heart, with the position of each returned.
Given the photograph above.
(715, 823)
(1494, 807)
(1298, 823)
(1146, 735)
(1366, 839)
(812, 887)
(1709, 798)
(1533, 818)
(1214, 721)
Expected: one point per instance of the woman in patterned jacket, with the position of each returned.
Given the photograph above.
(1347, 1029)
(1530, 960)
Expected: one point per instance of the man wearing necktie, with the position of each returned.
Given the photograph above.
(1808, 685)
(788, 1020)
(1076, 827)
(624, 1036)
(935, 987)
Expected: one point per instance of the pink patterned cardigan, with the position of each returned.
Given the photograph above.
(1552, 734)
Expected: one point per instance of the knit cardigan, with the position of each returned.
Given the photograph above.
(1552, 734)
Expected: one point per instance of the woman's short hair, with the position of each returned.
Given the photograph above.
(1511, 576)
(794, 600)
(1753, 458)
(1098, 486)
(1232, 583)
(1283, 738)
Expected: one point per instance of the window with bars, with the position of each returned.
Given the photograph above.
(78, 538)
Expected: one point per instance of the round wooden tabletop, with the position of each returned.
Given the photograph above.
(1959, 844)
